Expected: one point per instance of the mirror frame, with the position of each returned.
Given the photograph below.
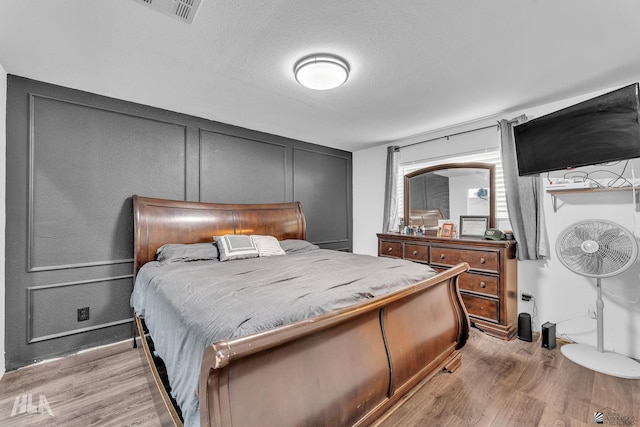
(470, 165)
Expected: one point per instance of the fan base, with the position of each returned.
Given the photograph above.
(607, 362)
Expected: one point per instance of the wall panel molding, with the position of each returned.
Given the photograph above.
(326, 242)
(239, 169)
(36, 234)
(328, 205)
(69, 303)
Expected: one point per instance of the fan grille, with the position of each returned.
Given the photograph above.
(596, 248)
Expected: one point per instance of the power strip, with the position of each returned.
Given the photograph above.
(559, 184)
(565, 184)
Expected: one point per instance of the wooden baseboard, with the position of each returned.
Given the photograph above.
(499, 331)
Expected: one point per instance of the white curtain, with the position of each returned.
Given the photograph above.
(524, 198)
(390, 218)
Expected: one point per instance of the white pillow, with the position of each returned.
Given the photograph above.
(236, 246)
(267, 245)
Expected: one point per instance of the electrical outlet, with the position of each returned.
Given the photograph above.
(592, 311)
(83, 314)
(526, 297)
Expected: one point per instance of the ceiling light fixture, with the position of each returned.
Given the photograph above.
(321, 72)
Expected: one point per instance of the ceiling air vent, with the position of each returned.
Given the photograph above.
(184, 10)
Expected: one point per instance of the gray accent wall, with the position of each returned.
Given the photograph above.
(74, 160)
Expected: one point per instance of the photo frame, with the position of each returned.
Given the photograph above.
(447, 230)
(473, 225)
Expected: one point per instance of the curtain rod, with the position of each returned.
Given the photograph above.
(447, 136)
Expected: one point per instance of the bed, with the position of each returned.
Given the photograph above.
(347, 363)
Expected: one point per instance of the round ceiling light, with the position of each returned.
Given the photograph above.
(321, 72)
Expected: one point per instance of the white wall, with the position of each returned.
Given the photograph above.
(368, 198)
(560, 296)
(3, 163)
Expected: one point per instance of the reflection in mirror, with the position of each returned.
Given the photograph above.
(449, 191)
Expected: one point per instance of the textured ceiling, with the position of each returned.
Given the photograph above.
(417, 65)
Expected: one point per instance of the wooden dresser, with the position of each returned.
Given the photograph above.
(489, 289)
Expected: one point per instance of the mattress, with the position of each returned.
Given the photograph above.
(189, 305)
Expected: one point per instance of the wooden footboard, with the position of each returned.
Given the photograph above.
(343, 368)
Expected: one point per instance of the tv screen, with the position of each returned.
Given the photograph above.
(600, 130)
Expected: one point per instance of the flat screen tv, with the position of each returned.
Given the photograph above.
(600, 130)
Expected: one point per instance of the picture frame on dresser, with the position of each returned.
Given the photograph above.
(447, 230)
(473, 225)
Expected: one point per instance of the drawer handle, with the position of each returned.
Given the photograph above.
(415, 253)
(441, 256)
(483, 285)
(483, 261)
(390, 249)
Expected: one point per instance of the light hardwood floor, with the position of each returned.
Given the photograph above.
(518, 383)
(108, 386)
(500, 383)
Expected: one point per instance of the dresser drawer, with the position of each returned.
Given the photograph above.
(416, 252)
(478, 283)
(390, 249)
(485, 308)
(478, 260)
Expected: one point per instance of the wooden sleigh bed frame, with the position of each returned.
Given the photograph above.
(347, 367)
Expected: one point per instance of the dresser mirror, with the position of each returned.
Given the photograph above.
(449, 191)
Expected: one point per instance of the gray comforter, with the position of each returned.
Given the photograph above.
(189, 305)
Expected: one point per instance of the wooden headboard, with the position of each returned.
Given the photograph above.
(160, 221)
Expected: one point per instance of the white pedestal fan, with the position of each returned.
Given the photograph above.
(598, 248)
